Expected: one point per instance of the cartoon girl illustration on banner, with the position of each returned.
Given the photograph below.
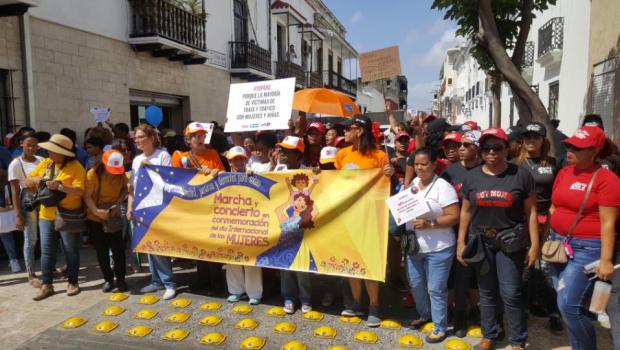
(296, 215)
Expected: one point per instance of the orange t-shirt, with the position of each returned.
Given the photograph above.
(348, 159)
(208, 157)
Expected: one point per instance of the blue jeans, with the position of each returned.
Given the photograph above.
(574, 288)
(295, 286)
(30, 238)
(428, 277)
(8, 241)
(49, 249)
(503, 282)
(161, 271)
(613, 307)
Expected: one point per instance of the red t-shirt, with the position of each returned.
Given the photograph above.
(440, 165)
(569, 190)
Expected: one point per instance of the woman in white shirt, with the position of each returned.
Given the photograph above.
(428, 270)
(147, 141)
(25, 220)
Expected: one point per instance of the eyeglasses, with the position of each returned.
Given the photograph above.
(495, 148)
(467, 144)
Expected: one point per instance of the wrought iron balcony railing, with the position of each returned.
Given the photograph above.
(528, 55)
(286, 69)
(336, 81)
(160, 18)
(314, 79)
(551, 36)
(246, 54)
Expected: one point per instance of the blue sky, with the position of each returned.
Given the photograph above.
(421, 33)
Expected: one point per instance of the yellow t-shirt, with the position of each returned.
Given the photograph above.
(110, 190)
(72, 174)
(348, 159)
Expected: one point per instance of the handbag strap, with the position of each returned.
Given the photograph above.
(583, 204)
(194, 160)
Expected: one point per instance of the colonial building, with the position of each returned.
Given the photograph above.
(60, 58)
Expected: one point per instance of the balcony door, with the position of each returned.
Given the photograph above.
(241, 20)
(281, 43)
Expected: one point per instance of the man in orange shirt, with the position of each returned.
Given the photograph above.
(206, 160)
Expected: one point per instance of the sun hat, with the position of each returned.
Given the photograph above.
(59, 144)
(113, 162)
(235, 152)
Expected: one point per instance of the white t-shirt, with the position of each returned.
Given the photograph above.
(16, 172)
(439, 196)
(159, 157)
(260, 167)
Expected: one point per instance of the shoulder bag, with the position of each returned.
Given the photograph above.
(555, 251)
(26, 196)
(114, 223)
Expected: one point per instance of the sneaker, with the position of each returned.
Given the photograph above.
(354, 310)
(254, 301)
(374, 318)
(435, 337)
(289, 307)
(555, 324)
(169, 294)
(46, 290)
(107, 287)
(15, 266)
(328, 299)
(73, 289)
(34, 281)
(233, 298)
(121, 285)
(485, 344)
(151, 288)
(416, 324)
(306, 308)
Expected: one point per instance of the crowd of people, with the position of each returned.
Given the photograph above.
(496, 198)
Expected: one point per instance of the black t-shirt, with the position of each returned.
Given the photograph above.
(455, 174)
(543, 178)
(497, 201)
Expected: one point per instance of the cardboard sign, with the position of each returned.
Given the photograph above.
(380, 64)
(264, 105)
(100, 115)
(406, 206)
(209, 127)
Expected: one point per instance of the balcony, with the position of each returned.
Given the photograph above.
(527, 65)
(551, 42)
(336, 81)
(166, 30)
(286, 69)
(314, 79)
(10, 8)
(250, 61)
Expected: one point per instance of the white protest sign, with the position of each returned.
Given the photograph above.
(209, 127)
(407, 205)
(264, 105)
(100, 115)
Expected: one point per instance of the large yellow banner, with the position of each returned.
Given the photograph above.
(332, 223)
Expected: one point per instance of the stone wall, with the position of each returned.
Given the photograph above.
(10, 59)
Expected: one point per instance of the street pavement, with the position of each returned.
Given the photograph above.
(25, 324)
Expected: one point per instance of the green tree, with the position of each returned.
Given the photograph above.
(495, 26)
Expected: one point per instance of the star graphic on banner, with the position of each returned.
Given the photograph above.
(155, 196)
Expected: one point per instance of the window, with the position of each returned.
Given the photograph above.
(511, 116)
(554, 98)
(240, 9)
(477, 88)
(603, 87)
(6, 102)
(449, 81)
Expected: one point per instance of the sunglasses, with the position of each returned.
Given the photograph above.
(495, 148)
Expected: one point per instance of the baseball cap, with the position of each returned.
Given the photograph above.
(402, 134)
(493, 132)
(361, 120)
(429, 118)
(473, 136)
(452, 136)
(587, 136)
(472, 124)
(318, 126)
(235, 152)
(113, 162)
(515, 133)
(535, 128)
(195, 128)
(328, 155)
(593, 120)
(292, 142)
(338, 140)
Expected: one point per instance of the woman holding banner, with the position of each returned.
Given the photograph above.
(362, 154)
(147, 140)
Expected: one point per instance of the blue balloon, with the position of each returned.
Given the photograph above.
(154, 115)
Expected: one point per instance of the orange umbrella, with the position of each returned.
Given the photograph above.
(325, 101)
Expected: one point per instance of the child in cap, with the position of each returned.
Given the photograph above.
(237, 159)
(328, 158)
